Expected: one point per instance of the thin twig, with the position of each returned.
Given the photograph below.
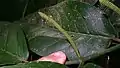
(23, 14)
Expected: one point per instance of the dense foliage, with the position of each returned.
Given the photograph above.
(82, 29)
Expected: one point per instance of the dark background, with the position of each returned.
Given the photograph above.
(11, 10)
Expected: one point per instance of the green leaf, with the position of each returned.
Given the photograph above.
(42, 64)
(87, 24)
(91, 65)
(13, 47)
(92, 2)
(81, 18)
(115, 18)
(44, 41)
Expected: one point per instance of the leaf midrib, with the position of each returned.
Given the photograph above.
(5, 44)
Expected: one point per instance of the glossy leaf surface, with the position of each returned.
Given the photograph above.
(13, 47)
(36, 65)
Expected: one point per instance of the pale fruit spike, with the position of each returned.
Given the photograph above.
(58, 57)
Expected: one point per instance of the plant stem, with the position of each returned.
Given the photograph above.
(50, 20)
(116, 39)
(110, 5)
(113, 48)
(25, 8)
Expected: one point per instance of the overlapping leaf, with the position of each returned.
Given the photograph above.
(80, 17)
(87, 24)
(44, 41)
(13, 47)
(36, 65)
